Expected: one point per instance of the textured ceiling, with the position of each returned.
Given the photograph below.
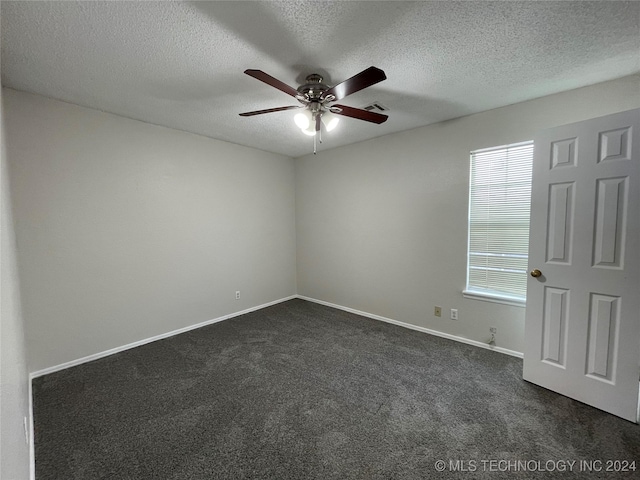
(180, 64)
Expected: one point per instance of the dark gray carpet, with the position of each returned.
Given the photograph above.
(303, 391)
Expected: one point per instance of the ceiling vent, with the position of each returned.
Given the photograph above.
(376, 106)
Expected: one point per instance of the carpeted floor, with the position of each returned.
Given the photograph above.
(303, 391)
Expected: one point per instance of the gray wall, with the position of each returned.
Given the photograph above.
(14, 382)
(128, 230)
(382, 224)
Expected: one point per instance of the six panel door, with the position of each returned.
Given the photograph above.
(582, 328)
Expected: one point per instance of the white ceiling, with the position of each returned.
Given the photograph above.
(180, 64)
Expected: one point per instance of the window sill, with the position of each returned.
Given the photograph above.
(495, 298)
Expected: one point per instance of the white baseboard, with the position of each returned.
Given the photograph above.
(106, 353)
(456, 338)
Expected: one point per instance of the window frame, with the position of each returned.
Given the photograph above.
(479, 293)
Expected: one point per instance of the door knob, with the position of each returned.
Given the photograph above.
(535, 273)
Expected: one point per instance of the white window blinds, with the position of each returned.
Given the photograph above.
(499, 203)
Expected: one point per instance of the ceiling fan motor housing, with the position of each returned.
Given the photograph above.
(314, 88)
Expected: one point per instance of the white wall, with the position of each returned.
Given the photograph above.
(14, 381)
(382, 224)
(128, 230)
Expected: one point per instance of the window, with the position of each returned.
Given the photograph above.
(499, 203)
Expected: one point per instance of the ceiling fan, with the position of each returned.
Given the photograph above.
(315, 98)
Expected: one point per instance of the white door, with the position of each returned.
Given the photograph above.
(582, 329)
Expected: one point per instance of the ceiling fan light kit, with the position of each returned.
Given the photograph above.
(304, 120)
(315, 97)
(330, 121)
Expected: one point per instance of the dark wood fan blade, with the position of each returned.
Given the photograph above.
(274, 82)
(268, 110)
(364, 79)
(360, 114)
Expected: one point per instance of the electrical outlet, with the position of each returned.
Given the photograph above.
(238, 295)
(454, 314)
(437, 311)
